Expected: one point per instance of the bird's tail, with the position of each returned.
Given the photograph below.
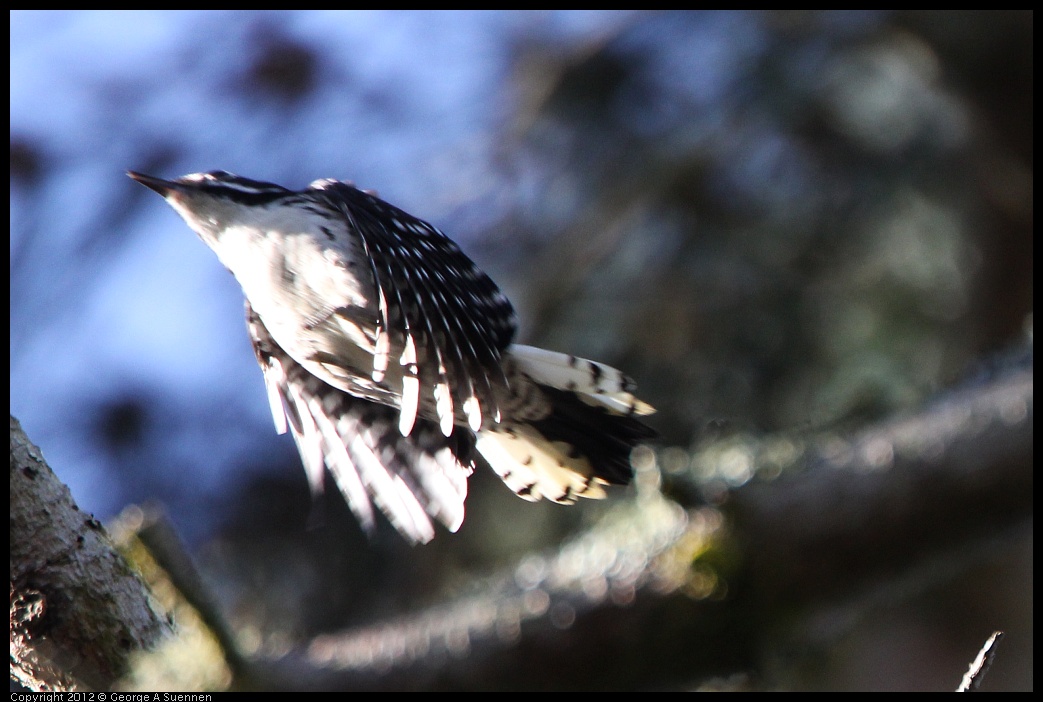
(571, 430)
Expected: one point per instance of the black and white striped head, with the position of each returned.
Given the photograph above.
(218, 184)
(214, 201)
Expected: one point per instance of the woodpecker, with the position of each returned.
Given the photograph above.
(389, 356)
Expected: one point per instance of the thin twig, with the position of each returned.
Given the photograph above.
(972, 679)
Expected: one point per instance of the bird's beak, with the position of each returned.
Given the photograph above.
(163, 187)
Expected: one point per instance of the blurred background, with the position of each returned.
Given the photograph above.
(780, 224)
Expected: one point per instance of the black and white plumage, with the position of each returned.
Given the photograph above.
(388, 355)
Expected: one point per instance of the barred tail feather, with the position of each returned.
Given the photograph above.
(535, 468)
(596, 382)
(576, 423)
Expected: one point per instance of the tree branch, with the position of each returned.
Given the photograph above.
(78, 611)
